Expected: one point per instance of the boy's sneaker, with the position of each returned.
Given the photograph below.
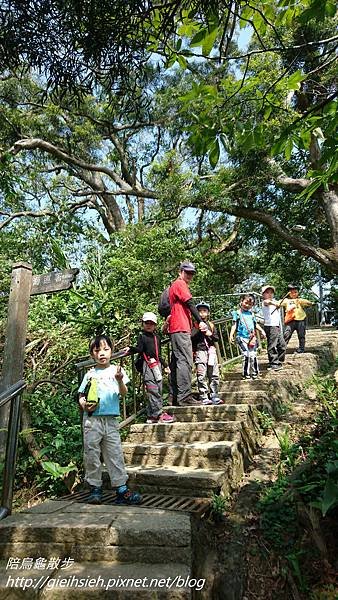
(300, 351)
(152, 420)
(217, 400)
(165, 418)
(206, 401)
(95, 496)
(246, 377)
(127, 497)
(255, 376)
(276, 368)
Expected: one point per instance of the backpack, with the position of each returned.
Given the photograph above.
(164, 304)
(91, 391)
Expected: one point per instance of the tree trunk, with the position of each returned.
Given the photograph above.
(330, 202)
(140, 209)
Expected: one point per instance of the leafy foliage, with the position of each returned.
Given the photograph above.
(306, 490)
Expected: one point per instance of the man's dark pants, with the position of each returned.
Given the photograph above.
(181, 366)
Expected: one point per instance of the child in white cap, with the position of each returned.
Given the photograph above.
(150, 363)
(273, 328)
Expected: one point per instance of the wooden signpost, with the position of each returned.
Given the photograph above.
(24, 285)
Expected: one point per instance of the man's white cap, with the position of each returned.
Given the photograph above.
(267, 287)
(149, 316)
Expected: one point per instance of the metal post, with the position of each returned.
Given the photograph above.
(15, 342)
(321, 297)
(11, 452)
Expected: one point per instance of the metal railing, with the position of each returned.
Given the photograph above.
(222, 305)
(12, 395)
(226, 352)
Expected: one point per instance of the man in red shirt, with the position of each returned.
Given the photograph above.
(180, 325)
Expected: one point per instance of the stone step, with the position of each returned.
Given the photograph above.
(184, 432)
(98, 533)
(222, 412)
(199, 455)
(258, 385)
(176, 480)
(235, 383)
(113, 580)
(244, 397)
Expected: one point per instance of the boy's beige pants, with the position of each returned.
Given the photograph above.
(101, 435)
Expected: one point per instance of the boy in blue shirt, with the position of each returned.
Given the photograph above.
(244, 326)
(100, 427)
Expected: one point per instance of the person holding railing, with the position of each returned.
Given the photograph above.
(150, 364)
(99, 396)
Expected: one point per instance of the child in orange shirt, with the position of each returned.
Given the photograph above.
(295, 316)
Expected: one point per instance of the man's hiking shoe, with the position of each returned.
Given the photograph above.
(128, 497)
(95, 496)
(300, 351)
(190, 401)
(277, 368)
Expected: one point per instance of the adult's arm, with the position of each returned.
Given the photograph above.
(190, 304)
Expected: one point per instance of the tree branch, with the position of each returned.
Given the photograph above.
(25, 213)
(292, 184)
(228, 243)
(325, 257)
(60, 154)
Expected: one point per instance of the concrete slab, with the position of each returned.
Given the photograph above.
(48, 507)
(187, 432)
(94, 553)
(229, 412)
(57, 527)
(151, 528)
(176, 480)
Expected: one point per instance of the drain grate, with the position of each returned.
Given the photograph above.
(196, 506)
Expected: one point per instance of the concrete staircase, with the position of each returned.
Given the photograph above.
(206, 450)
(208, 447)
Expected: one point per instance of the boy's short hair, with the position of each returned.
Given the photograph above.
(96, 342)
(244, 296)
